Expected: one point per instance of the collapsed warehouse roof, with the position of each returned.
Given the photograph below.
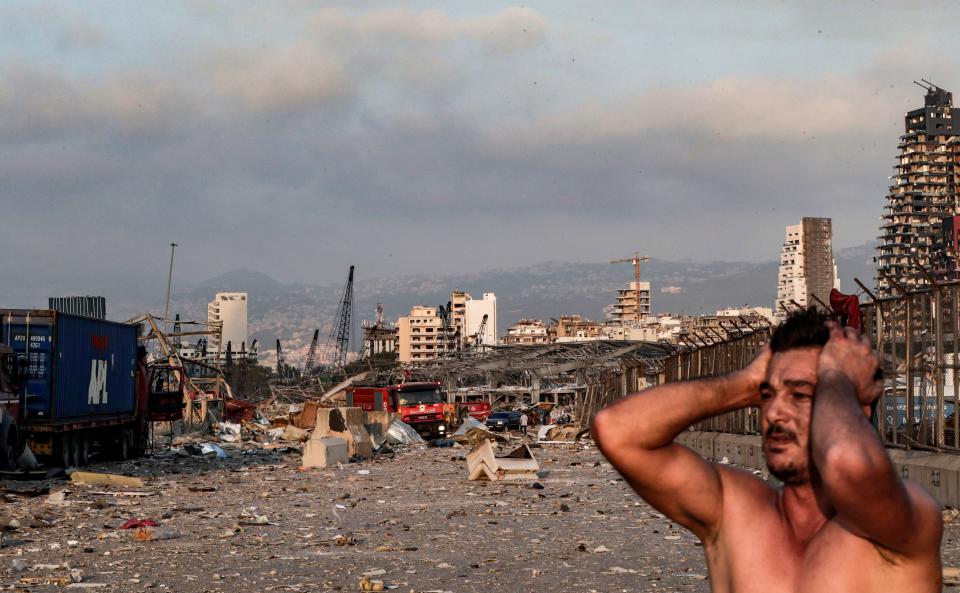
(546, 367)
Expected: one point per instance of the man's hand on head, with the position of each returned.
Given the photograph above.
(755, 373)
(850, 354)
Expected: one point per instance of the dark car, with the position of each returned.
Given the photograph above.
(503, 421)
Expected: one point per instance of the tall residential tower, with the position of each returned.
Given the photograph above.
(807, 267)
(923, 193)
(228, 311)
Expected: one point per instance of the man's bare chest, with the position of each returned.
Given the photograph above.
(766, 557)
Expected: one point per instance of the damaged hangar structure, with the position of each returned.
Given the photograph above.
(572, 374)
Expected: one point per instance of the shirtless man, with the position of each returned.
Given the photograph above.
(843, 521)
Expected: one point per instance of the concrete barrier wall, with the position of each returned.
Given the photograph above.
(938, 473)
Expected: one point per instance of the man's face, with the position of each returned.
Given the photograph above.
(787, 403)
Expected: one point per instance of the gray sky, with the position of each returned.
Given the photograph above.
(296, 138)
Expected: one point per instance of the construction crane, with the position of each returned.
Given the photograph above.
(380, 320)
(444, 313)
(281, 362)
(340, 331)
(311, 360)
(636, 259)
(176, 333)
(480, 330)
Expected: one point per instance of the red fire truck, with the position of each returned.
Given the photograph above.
(422, 405)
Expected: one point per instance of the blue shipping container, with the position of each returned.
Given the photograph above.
(78, 368)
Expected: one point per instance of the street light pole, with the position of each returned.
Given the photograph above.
(166, 310)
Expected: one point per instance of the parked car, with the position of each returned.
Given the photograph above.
(504, 421)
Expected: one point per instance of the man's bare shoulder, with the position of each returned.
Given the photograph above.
(743, 483)
(746, 497)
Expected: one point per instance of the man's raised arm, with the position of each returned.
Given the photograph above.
(636, 434)
(856, 473)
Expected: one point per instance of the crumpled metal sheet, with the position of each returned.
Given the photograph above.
(401, 433)
(207, 448)
(468, 423)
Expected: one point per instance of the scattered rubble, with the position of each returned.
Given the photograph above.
(93, 479)
(473, 432)
(406, 520)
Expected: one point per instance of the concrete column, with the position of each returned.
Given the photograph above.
(449, 384)
(535, 390)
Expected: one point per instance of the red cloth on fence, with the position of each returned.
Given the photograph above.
(847, 306)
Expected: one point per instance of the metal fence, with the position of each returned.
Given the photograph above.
(689, 361)
(917, 335)
(918, 338)
(719, 359)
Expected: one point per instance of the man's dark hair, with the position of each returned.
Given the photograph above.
(802, 329)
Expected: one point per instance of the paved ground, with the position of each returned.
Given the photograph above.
(413, 521)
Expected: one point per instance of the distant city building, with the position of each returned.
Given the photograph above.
(480, 314)
(667, 327)
(458, 313)
(86, 306)
(573, 328)
(807, 267)
(747, 312)
(627, 333)
(527, 331)
(378, 337)
(421, 335)
(228, 311)
(923, 193)
(632, 305)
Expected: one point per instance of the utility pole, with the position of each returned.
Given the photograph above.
(166, 309)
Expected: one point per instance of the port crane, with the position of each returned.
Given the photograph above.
(340, 331)
(480, 330)
(281, 362)
(311, 360)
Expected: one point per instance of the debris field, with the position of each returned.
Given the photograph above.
(410, 521)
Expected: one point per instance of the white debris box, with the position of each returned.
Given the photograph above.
(325, 452)
(484, 464)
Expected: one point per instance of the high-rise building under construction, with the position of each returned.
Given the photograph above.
(923, 193)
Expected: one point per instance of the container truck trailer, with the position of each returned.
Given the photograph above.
(70, 385)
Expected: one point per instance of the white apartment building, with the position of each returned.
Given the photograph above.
(807, 266)
(474, 312)
(229, 310)
(420, 335)
(527, 331)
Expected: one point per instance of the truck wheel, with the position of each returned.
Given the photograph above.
(83, 449)
(75, 447)
(9, 447)
(123, 448)
(66, 450)
(138, 439)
